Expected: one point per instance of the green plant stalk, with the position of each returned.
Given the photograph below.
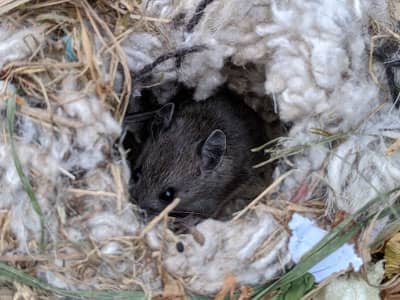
(305, 264)
(11, 107)
(296, 289)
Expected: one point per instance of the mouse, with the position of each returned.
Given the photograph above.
(199, 152)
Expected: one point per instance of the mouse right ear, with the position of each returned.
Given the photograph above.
(213, 150)
(162, 119)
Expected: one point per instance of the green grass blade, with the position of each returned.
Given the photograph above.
(11, 274)
(305, 264)
(11, 107)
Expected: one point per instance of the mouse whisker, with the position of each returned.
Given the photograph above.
(190, 213)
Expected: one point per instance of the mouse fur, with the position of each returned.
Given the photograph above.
(200, 153)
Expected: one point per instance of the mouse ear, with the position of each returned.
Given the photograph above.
(166, 113)
(213, 150)
(162, 119)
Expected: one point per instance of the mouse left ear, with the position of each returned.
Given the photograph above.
(162, 119)
(213, 150)
(165, 114)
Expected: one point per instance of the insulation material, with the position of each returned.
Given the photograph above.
(367, 163)
(256, 255)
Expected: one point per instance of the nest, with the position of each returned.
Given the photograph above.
(68, 70)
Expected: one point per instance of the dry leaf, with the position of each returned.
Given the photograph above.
(197, 236)
(228, 288)
(393, 147)
(173, 289)
(301, 192)
(245, 293)
(392, 256)
(87, 48)
(339, 217)
(392, 293)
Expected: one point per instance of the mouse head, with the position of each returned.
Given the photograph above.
(180, 162)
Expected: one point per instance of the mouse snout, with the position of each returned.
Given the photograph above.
(151, 207)
(147, 213)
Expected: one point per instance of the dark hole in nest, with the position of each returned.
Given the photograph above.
(139, 125)
(388, 52)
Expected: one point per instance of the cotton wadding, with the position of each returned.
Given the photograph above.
(17, 44)
(361, 168)
(256, 255)
(215, 31)
(319, 64)
(354, 286)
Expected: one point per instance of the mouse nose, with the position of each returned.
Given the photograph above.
(143, 214)
(147, 208)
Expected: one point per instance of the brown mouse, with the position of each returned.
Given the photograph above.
(199, 152)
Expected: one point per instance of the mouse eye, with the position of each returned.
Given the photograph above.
(136, 173)
(168, 195)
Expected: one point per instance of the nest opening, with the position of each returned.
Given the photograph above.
(140, 115)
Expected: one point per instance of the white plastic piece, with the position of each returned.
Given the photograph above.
(305, 235)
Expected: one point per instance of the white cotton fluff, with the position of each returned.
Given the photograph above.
(111, 225)
(98, 127)
(360, 168)
(307, 163)
(314, 53)
(49, 158)
(318, 74)
(354, 286)
(17, 44)
(143, 48)
(247, 256)
(380, 11)
(218, 30)
(25, 222)
(319, 63)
